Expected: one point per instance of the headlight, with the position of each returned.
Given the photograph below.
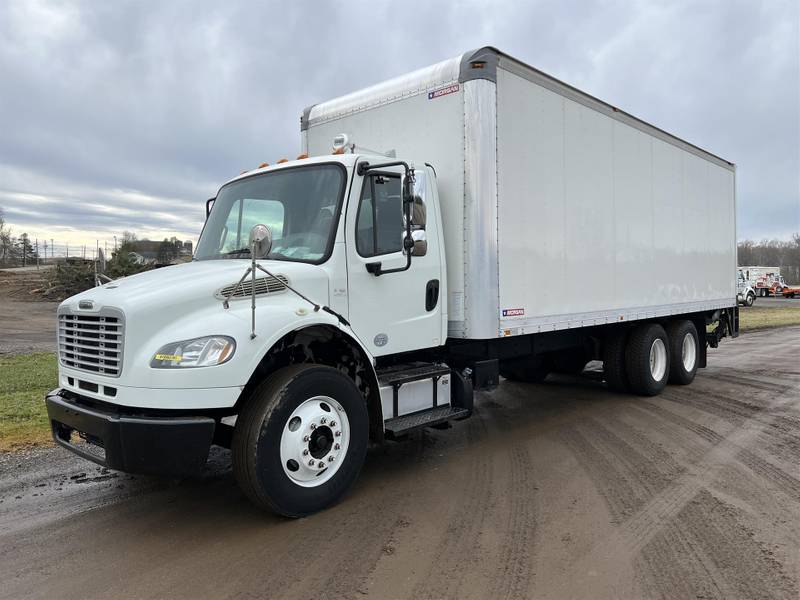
(199, 352)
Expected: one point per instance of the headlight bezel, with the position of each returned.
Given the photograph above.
(174, 354)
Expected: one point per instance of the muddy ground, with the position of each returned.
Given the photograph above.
(558, 490)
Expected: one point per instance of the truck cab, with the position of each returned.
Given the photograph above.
(745, 294)
(155, 367)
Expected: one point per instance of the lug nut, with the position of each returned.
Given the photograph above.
(333, 423)
(305, 452)
(330, 459)
(313, 426)
(338, 433)
(336, 447)
(321, 464)
(323, 420)
(311, 463)
(305, 438)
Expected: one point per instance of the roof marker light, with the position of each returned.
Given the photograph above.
(283, 160)
(262, 165)
(302, 156)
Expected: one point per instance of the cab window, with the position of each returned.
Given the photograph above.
(379, 224)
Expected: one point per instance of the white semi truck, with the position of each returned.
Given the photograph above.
(442, 232)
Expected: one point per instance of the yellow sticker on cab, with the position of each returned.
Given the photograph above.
(169, 357)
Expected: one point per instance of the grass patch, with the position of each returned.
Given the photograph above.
(759, 317)
(24, 380)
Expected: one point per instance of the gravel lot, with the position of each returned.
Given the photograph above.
(558, 490)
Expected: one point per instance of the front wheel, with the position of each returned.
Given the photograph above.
(300, 440)
(750, 299)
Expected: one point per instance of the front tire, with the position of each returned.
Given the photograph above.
(647, 359)
(300, 440)
(750, 299)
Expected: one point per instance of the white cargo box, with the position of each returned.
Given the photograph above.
(559, 210)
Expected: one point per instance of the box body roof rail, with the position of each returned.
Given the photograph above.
(481, 64)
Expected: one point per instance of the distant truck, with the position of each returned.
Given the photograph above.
(442, 232)
(766, 281)
(745, 294)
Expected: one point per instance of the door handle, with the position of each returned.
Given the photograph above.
(431, 294)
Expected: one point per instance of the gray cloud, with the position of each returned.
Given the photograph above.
(127, 115)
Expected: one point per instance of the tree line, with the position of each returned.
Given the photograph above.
(15, 250)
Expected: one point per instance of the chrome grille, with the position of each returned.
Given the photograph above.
(264, 285)
(92, 343)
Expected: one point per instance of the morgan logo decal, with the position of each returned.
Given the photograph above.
(513, 312)
(450, 89)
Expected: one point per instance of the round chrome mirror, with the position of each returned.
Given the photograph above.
(260, 241)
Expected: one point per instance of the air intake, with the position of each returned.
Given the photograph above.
(264, 285)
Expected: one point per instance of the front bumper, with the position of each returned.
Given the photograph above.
(134, 443)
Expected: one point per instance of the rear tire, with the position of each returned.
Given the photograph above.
(647, 359)
(281, 421)
(614, 361)
(684, 350)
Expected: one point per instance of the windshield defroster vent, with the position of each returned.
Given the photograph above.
(264, 285)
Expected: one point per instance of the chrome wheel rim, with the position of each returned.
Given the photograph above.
(314, 441)
(688, 352)
(658, 359)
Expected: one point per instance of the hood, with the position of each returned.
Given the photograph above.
(193, 286)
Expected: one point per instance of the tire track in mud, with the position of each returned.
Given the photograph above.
(713, 403)
(659, 512)
(706, 552)
(761, 467)
(625, 475)
(516, 558)
(456, 550)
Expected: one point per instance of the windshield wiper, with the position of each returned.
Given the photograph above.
(239, 251)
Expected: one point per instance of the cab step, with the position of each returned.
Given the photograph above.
(400, 374)
(426, 418)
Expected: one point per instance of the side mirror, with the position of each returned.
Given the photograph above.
(260, 241)
(209, 204)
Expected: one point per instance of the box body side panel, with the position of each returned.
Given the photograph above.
(599, 220)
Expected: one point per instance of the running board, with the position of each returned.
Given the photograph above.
(401, 425)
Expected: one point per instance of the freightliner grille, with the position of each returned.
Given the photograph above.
(92, 343)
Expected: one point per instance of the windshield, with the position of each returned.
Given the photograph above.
(299, 205)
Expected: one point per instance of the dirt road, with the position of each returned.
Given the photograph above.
(25, 325)
(559, 490)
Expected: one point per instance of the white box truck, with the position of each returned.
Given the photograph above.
(470, 220)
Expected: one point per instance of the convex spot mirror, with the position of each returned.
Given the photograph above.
(260, 241)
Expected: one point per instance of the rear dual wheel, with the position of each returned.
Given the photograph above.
(642, 360)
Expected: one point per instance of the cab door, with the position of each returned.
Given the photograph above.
(401, 311)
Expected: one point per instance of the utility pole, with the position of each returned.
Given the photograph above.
(36, 251)
(67, 256)
(52, 249)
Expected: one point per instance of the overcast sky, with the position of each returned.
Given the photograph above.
(128, 115)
